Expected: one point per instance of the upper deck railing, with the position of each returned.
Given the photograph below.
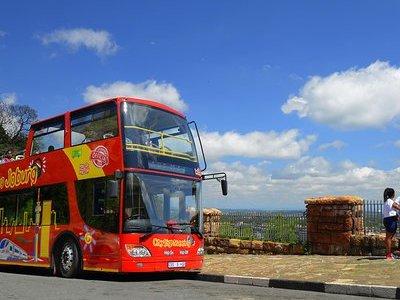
(160, 148)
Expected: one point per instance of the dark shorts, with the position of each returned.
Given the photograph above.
(390, 224)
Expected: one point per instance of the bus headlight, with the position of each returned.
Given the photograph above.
(137, 251)
(200, 251)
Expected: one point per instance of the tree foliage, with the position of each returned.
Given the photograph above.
(15, 121)
(278, 228)
(281, 229)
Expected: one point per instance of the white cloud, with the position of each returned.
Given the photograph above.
(364, 181)
(253, 187)
(257, 144)
(240, 176)
(337, 144)
(352, 99)
(246, 185)
(162, 92)
(295, 76)
(348, 165)
(312, 166)
(99, 41)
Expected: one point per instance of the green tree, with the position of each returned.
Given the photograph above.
(229, 230)
(4, 139)
(15, 121)
(281, 229)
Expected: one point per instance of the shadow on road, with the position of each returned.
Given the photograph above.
(102, 276)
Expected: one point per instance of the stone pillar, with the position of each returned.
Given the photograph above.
(331, 221)
(212, 222)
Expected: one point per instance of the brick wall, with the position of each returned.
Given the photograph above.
(211, 222)
(331, 223)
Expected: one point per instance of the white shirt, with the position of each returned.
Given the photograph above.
(388, 210)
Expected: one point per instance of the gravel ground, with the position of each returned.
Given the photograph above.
(336, 269)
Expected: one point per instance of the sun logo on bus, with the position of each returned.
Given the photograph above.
(40, 165)
(87, 238)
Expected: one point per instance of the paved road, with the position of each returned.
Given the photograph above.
(31, 284)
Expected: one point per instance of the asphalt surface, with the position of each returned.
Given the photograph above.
(21, 283)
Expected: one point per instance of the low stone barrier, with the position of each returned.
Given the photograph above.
(373, 244)
(216, 245)
(359, 245)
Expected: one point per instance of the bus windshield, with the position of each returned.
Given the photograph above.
(157, 132)
(161, 204)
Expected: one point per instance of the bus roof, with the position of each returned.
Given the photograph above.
(119, 100)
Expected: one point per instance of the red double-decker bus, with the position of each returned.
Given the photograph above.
(112, 187)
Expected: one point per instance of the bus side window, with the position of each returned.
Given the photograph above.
(26, 207)
(93, 124)
(134, 205)
(99, 198)
(9, 205)
(97, 209)
(48, 136)
(59, 202)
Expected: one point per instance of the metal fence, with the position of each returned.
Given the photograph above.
(290, 227)
(264, 225)
(372, 216)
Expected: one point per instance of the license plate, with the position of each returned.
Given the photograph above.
(176, 264)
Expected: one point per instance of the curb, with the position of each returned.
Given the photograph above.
(378, 291)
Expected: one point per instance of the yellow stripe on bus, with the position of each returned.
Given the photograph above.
(100, 269)
(13, 263)
(84, 168)
(45, 231)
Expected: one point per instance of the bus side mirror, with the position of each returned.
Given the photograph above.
(221, 177)
(224, 187)
(112, 189)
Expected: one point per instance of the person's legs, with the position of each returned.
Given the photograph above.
(388, 242)
(391, 227)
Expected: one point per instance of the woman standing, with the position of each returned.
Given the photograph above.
(389, 219)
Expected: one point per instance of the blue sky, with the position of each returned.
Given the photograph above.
(232, 66)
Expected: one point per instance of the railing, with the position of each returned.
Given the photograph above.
(287, 226)
(161, 147)
(372, 216)
(263, 225)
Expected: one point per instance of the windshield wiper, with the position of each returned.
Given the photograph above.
(170, 228)
(192, 227)
(157, 228)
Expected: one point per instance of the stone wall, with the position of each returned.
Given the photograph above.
(215, 245)
(211, 222)
(372, 244)
(331, 223)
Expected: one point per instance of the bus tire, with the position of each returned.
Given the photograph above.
(67, 259)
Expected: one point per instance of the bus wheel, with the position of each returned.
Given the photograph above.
(67, 259)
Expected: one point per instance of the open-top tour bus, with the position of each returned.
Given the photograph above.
(113, 187)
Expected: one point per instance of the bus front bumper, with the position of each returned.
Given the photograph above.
(149, 265)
